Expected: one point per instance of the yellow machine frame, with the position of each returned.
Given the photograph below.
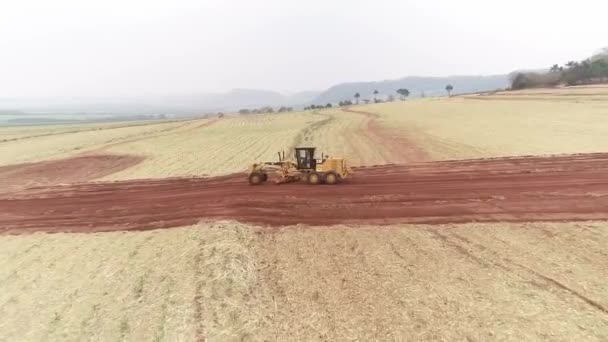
(326, 170)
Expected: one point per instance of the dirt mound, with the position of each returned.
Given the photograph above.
(54, 172)
(573, 187)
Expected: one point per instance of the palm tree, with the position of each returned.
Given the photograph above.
(449, 89)
(357, 96)
(403, 92)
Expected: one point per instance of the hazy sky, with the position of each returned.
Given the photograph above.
(152, 47)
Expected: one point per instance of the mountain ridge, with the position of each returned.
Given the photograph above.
(196, 104)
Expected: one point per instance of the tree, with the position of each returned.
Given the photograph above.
(403, 92)
(599, 68)
(328, 105)
(449, 89)
(554, 68)
(376, 92)
(266, 109)
(357, 96)
(244, 111)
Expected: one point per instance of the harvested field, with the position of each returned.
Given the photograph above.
(220, 147)
(564, 188)
(559, 121)
(52, 142)
(226, 281)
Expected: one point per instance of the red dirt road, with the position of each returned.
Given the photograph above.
(573, 187)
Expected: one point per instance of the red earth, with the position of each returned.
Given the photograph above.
(556, 188)
(400, 147)
(63, 171)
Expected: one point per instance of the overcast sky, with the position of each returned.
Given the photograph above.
(153, 47)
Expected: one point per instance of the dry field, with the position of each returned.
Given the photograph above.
(37, 143)
(541, 121)
(229, 281)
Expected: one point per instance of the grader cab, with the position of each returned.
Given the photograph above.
(305, 167)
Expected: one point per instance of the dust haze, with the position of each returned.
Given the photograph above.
(68, 48)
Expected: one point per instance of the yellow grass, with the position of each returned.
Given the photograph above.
(50, 142)
(30, 131)
(475, 127)
(223, 146)
(230, 282)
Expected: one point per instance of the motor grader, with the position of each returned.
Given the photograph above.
(305, 167)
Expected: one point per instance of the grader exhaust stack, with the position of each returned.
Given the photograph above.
(305, 167)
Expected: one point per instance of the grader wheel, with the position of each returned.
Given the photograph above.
(256, 178)
(314, 178)
(331, 178)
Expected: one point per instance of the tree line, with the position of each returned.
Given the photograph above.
(403, 94)
(264, 110)
(592, 70)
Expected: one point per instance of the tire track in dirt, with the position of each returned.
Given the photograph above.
(304, 137)
(198, 293)
(478, 254)
(558, 188)
(565, 288)
(401, 149)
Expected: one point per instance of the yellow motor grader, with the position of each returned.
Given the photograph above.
(314, 171)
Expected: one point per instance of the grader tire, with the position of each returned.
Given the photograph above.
(331, 178)
(314, 178)
(256, 178)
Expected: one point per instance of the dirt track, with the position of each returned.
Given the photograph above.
(559, 188)
(401, 149)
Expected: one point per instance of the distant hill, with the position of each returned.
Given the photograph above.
(16, 111)
(234, 100)
(430, 86)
